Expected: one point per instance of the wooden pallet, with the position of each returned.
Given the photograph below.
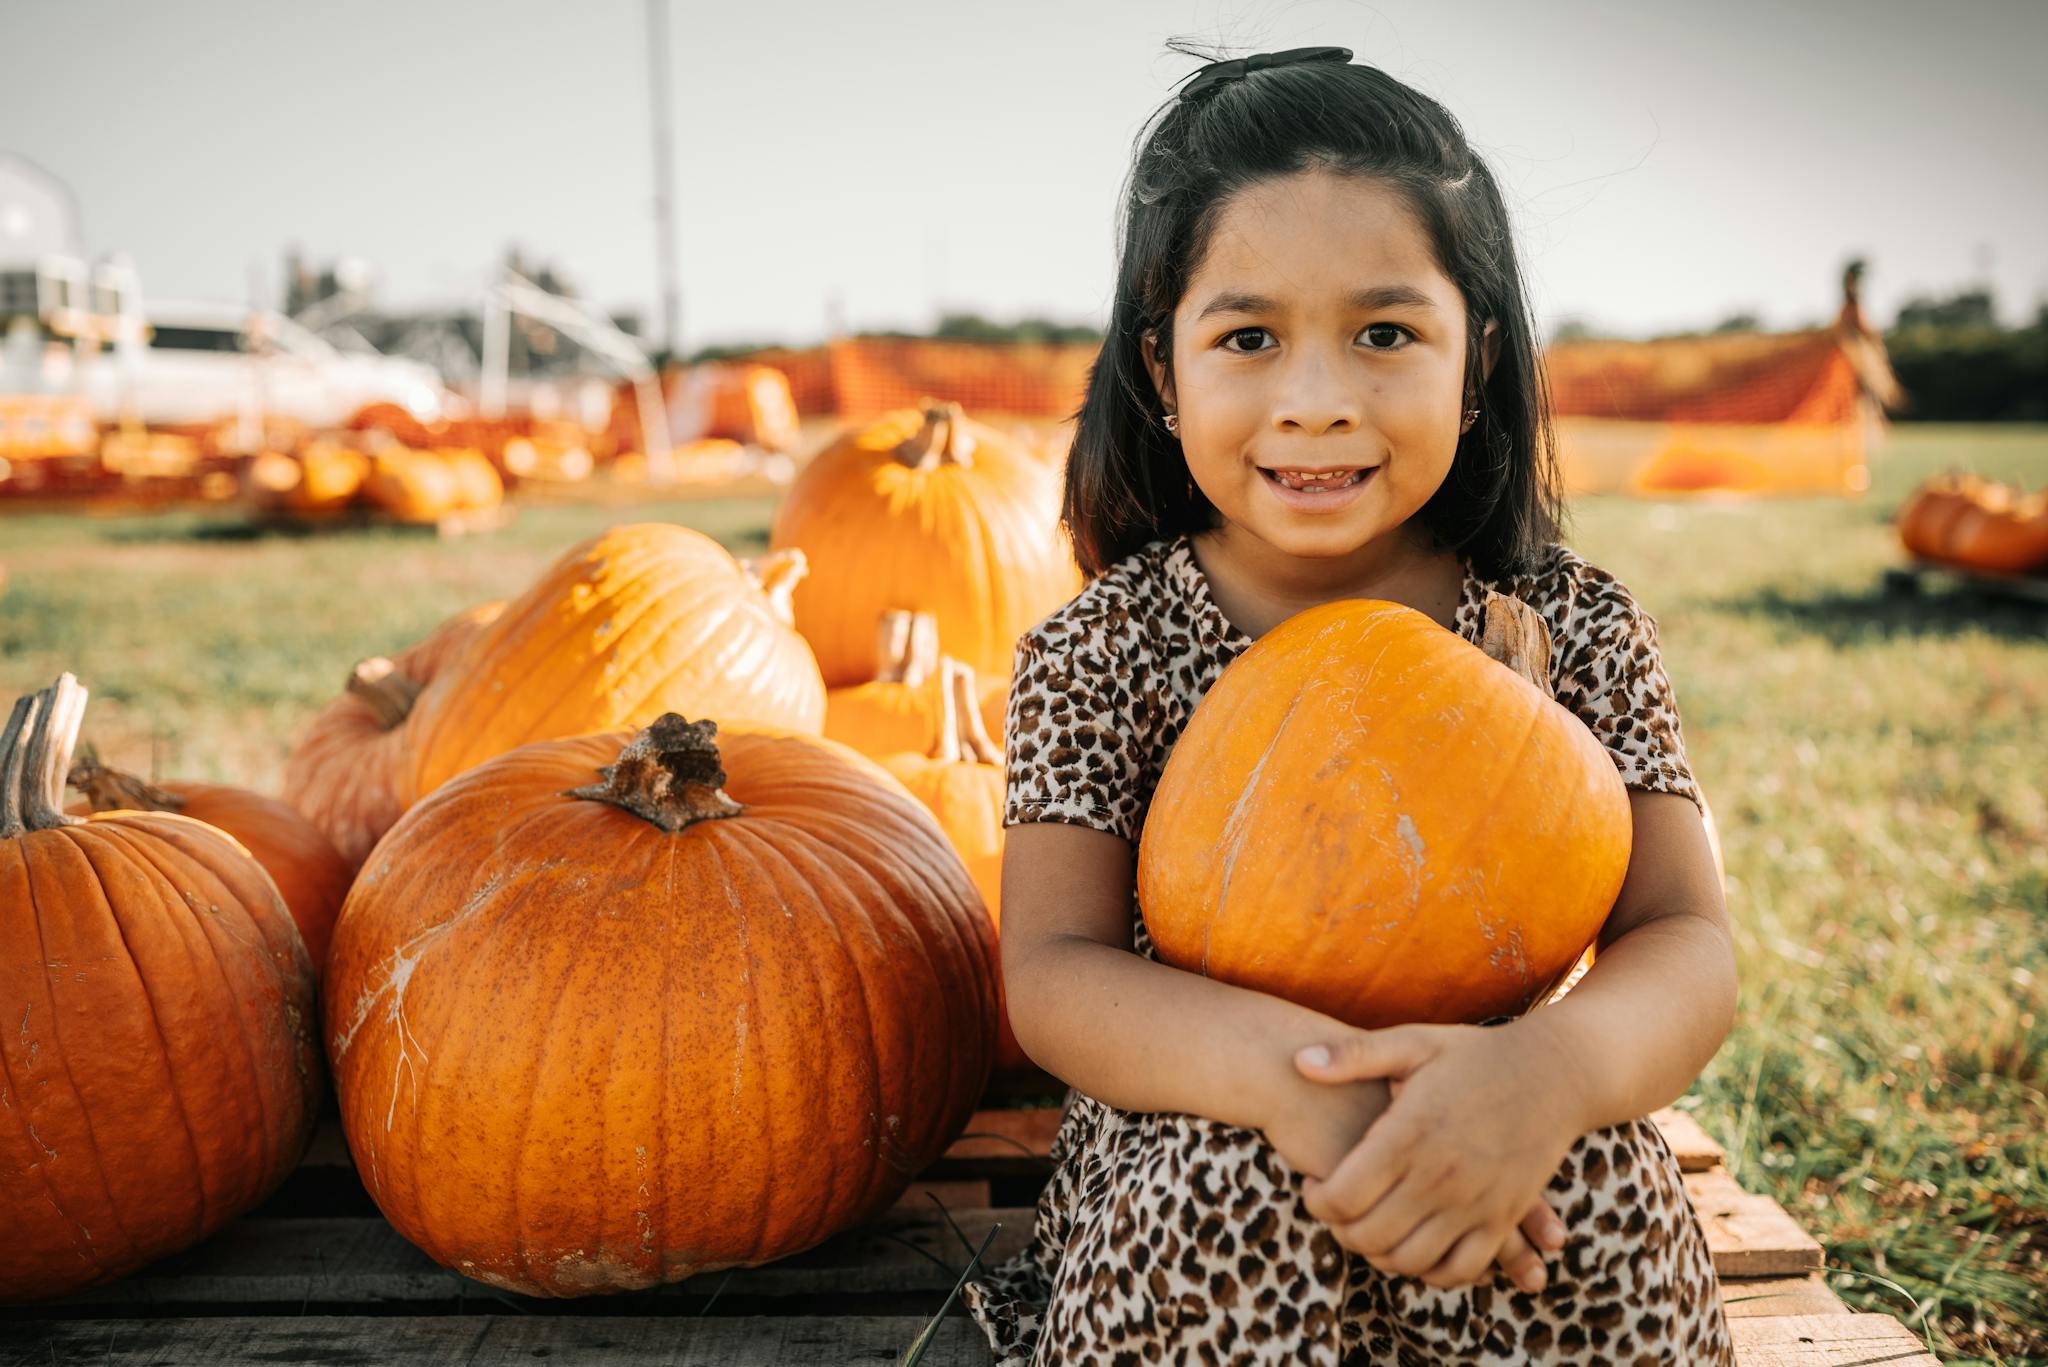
(1915, 576)
(316, 1275)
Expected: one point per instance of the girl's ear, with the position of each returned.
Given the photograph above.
(1161, 383)
(1489, 343)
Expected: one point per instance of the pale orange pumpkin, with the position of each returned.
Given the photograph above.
(643, 619)
(1370, 817)
(926, 511)
(341, 775)
(412, 486)
(309, 872)
(162, 1074)
(960, 781)
(899, 709)
(616, 1010)
(477, 483)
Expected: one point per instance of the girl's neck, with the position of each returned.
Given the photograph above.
(1257, 587)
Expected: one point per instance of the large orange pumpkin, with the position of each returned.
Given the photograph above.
(161, 1074)
(926, 511)
(643, 619)
(1370, 817)
(342, 773)
(309, 872)
(611, 1011)
(960, 781)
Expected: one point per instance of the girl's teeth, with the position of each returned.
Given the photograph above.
(1315, 483)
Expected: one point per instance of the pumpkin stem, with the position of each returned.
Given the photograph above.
(35, 754)
(962, 737)
(669, 774)
(943, 440)
(388, 693)
(906, 647)
(1514, 635)
(14, 760)
(111, 790)
(777, 574)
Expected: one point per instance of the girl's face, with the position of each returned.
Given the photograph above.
(1318, 364)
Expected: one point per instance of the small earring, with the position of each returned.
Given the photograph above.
(1471, 416)
(1172, 421)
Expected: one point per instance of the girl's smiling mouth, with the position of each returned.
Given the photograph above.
(1318, 490)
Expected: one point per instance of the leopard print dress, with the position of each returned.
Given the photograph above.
(1171, 1238)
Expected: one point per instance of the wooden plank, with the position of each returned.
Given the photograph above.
(909, 1253)
(1749, 1235)
(1771, 1297)
(713, 1341)
(1692, 1146)
(1828, 1341)
(645, 1341)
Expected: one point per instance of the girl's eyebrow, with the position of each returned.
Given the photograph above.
(1376, 297)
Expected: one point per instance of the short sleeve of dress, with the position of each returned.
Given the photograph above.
(1072, 746)
(1610, 672)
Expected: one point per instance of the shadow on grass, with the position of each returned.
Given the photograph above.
(1892, 608)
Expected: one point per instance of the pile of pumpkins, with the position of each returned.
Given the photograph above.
(667, 891)
(325, 478)
(623, 967)
(1973, 523)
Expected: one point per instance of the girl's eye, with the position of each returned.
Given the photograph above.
(1388, 338)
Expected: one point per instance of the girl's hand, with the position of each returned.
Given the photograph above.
(1442, 1184)
(1322, 1121)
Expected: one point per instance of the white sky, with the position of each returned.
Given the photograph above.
(1668, 164)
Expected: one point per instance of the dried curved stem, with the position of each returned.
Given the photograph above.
(669, 774)
(777, 574)
(14, 762)
(943, 440)
(388, 693)
(962, 737)
(46, 755)
(1514, 634)
(114, 790)
(906, 647)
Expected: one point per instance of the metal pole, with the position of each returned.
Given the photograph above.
(664, 174)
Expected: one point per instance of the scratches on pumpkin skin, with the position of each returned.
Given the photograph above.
(1237, 827)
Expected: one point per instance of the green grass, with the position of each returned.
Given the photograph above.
(1876, 764)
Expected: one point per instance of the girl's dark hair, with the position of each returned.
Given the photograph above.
(1127, 481)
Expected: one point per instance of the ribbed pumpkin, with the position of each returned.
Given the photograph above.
(960, 781)
(412, 486)
(899, 709)
(1370, 817)
(342, 773)
(927, 511)
(161, 1070)
(644, 619)
(1927, 517)
(477, 482)
(309, 872)
(611, 1011)
(324, 477)
(2008, 535)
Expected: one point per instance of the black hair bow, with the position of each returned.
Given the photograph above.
(1237, 68)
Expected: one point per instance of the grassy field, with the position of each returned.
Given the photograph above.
(1876, 764)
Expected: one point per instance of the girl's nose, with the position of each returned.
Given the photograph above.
(1314, 396)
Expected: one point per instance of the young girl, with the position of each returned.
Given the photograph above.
(1320, 382)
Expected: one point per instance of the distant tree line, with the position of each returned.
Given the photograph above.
(1957, 364)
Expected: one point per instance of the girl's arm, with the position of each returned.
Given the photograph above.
(1485, 1114)
(1660, 996)
(1144, 1036)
